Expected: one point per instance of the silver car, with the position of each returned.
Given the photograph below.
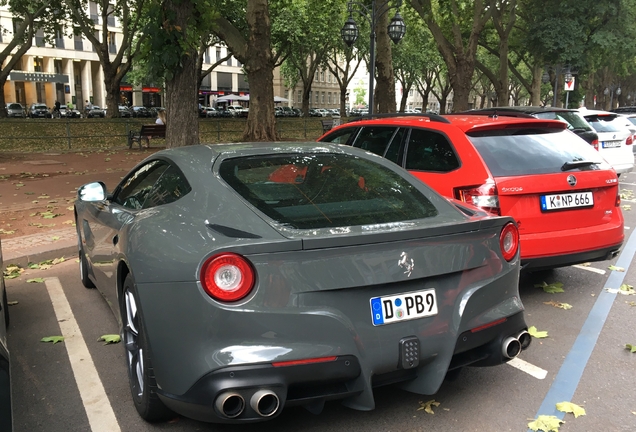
(251, 277)
(15, 110)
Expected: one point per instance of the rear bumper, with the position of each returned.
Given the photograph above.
(571, 259)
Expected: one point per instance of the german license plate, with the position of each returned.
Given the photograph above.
(567, 200)
(611, 144)
(403, 307)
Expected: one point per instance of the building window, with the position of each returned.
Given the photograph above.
(322, 76)
(300, 96)
(59, 38)
(206, 56)
(317, 98)
(112, 43)
(111, 16)
(328, 77)
(92, 7)
(218, 54)
(77, 39)
(38, 64)
(39, 38)
(238, 63)
(316, 76)
(229, 61)
(329, 98)
(323, 98)
(57, 67)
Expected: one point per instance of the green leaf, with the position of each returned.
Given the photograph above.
(35, 280)
(631, 348)
(560, 305)
(615, 268)
(552, 288)
(546, 424)
(33, 266)
(537, 334)
(110, 339)
(54, 339)
(569, 407)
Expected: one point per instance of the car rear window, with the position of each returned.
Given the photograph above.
(573, 119)
(514, 152)
(603, 123)
(15, 106)
(311, 191)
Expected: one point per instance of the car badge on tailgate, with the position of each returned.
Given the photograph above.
(571, 180)
(406, 263)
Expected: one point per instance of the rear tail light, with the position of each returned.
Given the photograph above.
(227, 277)
(595, 144)
(484, 197)
(509, 241)
(630, 140)
(618, 199)
(304, 361)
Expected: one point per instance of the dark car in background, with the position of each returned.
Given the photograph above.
(95, 111)
(39, 110)
(140, 112)
(573, 118)
(250, 277)
(15, 110)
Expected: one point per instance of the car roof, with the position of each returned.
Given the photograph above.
(523, 109)
(589, 112)
(465, 122)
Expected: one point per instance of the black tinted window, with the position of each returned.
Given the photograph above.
(573, 119)
(341, 136)
(171, 186)
(310, 191)
(135, 188)
(375, 139)
(430, 151)
(604, 123)
(510, 152)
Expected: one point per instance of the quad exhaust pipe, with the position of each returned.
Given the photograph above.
(512, 346)
(230, 404)
(265, 403)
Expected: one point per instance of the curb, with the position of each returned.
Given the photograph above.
(40, 247)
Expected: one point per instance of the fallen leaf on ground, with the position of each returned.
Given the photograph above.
(12, 271)
(55, 238)
(565, 306)
(631, 348)
(615, 268)
(552, 288)
(54, 339)
(537, 334)
(35, 280)
(569, 407)
(546, 423)
(428, 406)
(110, 339)
(620, 291)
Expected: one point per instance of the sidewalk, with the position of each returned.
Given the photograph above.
(40, 247)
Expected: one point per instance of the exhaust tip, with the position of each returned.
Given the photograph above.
(265, 403)
(524, 339)
(231, 405)
(511, 348)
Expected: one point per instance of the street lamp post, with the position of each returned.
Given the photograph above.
(610, 90)
(349, 32)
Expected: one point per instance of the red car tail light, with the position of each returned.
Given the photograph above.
(595, 144)
(630, 140)
(509, 241)
(484, 197)
(618, 199)
(227, 277)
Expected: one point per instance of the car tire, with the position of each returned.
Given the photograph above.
(141, 376)
(83, 267)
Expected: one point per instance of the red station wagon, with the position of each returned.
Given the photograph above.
(562, 193)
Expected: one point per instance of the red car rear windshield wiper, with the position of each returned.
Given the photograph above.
(577, 164)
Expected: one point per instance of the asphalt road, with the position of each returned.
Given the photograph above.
(583, 360)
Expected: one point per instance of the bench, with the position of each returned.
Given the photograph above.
(146, 132)
(328, 124)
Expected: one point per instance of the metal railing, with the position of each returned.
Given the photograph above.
(41, 135)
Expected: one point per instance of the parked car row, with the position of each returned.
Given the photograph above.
(562, 191)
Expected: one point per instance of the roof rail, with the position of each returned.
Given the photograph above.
(497, 113)
(432, 117)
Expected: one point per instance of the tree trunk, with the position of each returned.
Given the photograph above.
(112, 93)
(589, 92)
(461, 83)
(259, 66)
(503, 92)
(182, 116)
(3, 104)
(306, 101)
(535, 87)
(385, 87)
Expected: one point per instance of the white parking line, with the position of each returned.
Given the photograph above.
(592, 269)
(96, 404)
(528, 368)
(629, 184)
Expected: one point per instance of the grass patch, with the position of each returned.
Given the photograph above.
(41, 135)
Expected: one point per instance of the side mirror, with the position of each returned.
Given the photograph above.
(95, 191)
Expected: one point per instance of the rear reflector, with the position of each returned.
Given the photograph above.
(305, 361)
(490, 324)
